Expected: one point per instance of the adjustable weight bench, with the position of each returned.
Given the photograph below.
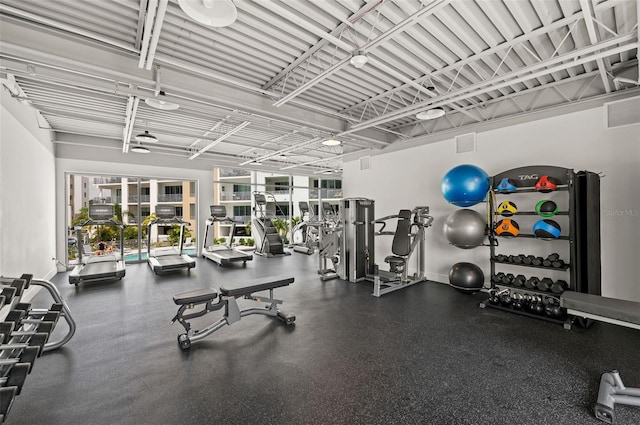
(227, 299)
(618, 312)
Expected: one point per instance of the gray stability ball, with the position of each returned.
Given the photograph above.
(465, 228)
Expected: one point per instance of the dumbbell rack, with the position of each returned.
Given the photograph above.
(525, 179)
(25, 332)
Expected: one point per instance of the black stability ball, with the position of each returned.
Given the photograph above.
(466, 277)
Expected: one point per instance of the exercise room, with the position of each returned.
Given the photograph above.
(319, 212)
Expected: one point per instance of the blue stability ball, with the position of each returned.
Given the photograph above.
(466, 277)
(465, 185)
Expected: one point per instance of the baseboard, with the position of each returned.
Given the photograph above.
(51, 273)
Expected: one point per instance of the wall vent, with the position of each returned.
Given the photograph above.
(365, 162)
(622, 113)
(466, 143)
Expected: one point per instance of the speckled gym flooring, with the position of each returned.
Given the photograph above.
(423, 355)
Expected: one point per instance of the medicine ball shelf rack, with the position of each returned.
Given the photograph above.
(582, 234)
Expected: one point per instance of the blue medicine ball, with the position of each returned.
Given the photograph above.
(465, 185)
(548, 229)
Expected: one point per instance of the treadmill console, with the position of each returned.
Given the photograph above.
(165, 211)
(101, 212)
(218, 211)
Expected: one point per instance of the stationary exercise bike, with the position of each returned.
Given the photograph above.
(408, 238)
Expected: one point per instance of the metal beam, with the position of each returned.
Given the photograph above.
(587, 9)
(219, 139)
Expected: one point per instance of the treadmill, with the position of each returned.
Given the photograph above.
(168, 260)
(95, 268)
(224, 254)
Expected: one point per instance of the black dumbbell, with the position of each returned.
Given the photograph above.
(19, 284)
(507, 279)
(501, 258)
(532, 282)
(510, 259)
(559, 286)
(517, 301)
(505, 299)
(553, 257)
(553, 309)
(545, 284)
(528, 260)
(519, 259)
(493, 298)
(497, 278)
(557, 264)
(537, 261)
(519, 281)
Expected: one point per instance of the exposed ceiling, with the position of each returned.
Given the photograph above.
(278, 81)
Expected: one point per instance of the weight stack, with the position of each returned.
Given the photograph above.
(587, 232)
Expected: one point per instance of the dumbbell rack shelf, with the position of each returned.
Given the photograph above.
(528, 213)
(563, 322)
(562, 268)
(532, 236)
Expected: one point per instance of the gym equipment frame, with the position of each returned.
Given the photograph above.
(408, 238)
(227, 299)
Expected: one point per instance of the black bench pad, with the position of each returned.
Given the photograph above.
(613, 308)
(257, 285)
(195, 297)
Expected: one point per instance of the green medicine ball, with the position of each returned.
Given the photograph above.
(546, 208)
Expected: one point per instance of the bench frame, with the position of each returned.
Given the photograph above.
(232, 312)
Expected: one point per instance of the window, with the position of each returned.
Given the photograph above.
(173, 190)
(179, 212)
(192, 189)
(192, 209)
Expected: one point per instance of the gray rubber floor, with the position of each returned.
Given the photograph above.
(424, 355)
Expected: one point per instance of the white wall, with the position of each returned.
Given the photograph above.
(83, 166)
(406, 178)
(27, 192)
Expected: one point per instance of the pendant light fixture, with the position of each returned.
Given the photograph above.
(331, 141)
(430, 114)
(146, 137)
(140, 149)
(359, 60)
(213, 13)
(158, 103)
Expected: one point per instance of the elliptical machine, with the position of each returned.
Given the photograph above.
(304, 235)
(408, 238)
(329, 240)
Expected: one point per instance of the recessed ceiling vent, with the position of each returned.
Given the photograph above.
(622, 113)
(466, 143)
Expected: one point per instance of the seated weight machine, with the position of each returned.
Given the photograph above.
(227, 299)
(408, 238)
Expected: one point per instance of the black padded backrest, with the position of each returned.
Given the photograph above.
(401, 239)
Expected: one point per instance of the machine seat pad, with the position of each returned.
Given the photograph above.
(195, 297)
(392, 259)
(626, 311)
(257, 285)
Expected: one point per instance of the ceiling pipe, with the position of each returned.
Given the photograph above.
(157, 27)
(59, 25)
(146, 36)
(132, 109)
